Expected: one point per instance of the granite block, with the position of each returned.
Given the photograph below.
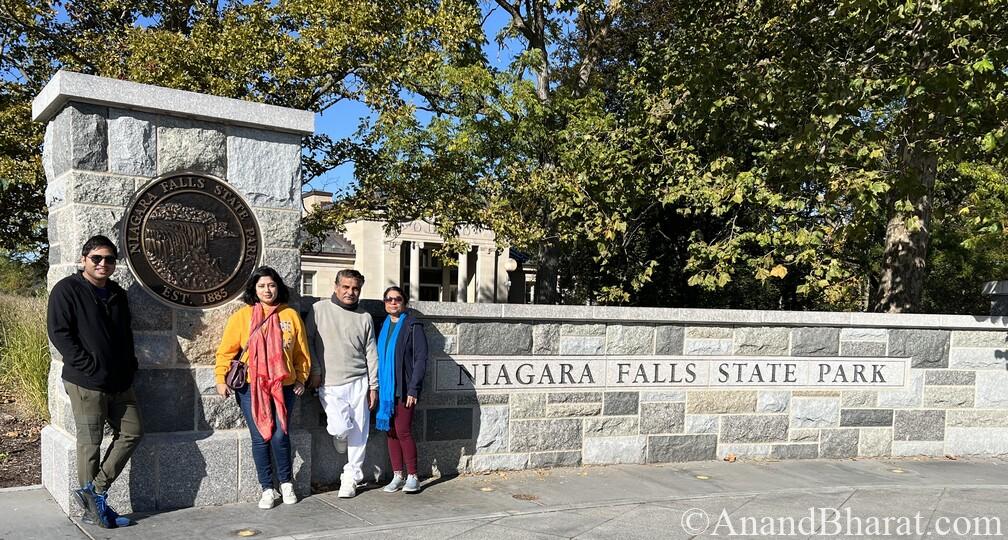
(949, 377)
(504, 339)
(926, 348)
(948, 397)
(838, 443)
(759, 341)
(770, 401)
(449, 424)
(609, 426)
(795, 451)
(545, 460)
(662, 417)
(492, 429)
(629, 339)
(875, 442)
(166, 399)
(815, 341)
(669, 340)
(755, 428)
(617, 403)
(132, 148)
(866, 418)
(545, 435)
(720, 401)
(923, 425)
(192, 145)
(546, 339)
(196, 471)
(680, 448)
(613, 450)
(815, 412)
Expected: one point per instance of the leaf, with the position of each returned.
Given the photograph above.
(779, 271)
(983, 65)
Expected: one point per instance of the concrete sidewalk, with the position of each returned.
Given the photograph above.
(900, 499)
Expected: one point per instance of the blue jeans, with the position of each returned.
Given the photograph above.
(279, 442)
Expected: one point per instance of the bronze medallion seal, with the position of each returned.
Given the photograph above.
(191, 239)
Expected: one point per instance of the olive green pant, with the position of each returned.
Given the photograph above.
(92, 409)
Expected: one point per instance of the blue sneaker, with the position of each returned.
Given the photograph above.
(107, 517)
(85, 498)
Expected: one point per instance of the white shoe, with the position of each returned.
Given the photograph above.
(287, 490)
(341, 444)
(347, 488)
(269, 499)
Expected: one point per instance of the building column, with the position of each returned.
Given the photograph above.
(486, 273)
(463, 276)
(391, 270)
(414, 270)
(503, 279)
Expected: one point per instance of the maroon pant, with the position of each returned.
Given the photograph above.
(401, 445)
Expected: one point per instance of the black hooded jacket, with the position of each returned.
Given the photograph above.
(411, 357)
(94, 337)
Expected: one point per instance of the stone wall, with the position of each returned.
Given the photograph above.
(104, 140)
(954, 401)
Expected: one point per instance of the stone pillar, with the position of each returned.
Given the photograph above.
(486, 274)
(997, 291)
(463, 277)
(504, 262)
(105, 141)
(391, 270)
(414, 270)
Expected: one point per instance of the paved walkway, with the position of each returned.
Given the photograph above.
(793, 499)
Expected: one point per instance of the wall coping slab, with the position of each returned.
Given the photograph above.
(728, 317)
(67, 86)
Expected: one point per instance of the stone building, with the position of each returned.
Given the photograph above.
(484, 274)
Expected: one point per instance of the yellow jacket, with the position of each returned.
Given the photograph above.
(295, 343)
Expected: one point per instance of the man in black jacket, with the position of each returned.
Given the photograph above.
(89, 324)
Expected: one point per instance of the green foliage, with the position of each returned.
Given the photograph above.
(673, 152)
(24, 351)
(18, 277)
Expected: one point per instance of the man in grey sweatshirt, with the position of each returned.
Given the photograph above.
(345, 371)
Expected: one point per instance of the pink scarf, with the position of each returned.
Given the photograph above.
(267, 370)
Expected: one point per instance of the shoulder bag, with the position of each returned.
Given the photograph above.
(237, 374)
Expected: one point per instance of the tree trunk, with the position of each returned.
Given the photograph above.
(902, 281)
(546, 289)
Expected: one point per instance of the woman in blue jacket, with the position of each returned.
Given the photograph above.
(402, 362)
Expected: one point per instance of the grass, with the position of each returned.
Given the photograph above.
(24, 352)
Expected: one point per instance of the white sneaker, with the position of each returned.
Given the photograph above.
(341, 444)
(269, 499)
(287, 490)
(347, 488)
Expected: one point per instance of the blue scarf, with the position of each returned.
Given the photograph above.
(386, 372)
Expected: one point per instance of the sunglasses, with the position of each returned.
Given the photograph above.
(110, 260)
(394, 300)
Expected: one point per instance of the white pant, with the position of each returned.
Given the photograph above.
(347, 415)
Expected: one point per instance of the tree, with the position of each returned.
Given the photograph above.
(460, 141)
(296, 53)
(663, 152)
(814, 132)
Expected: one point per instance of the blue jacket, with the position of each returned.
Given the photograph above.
(410, 357)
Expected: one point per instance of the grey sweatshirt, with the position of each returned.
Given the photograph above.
(342, 343)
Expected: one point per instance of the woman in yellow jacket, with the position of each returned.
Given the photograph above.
(278, 366)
